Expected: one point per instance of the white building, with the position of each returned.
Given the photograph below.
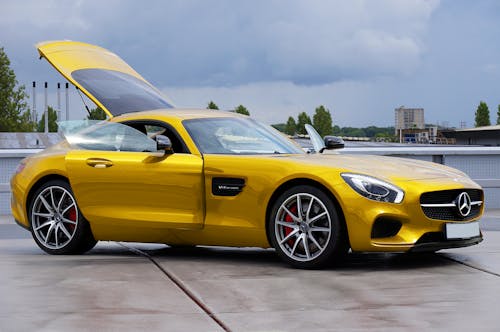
(409, 118)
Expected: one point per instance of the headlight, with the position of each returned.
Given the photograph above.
(373, 188)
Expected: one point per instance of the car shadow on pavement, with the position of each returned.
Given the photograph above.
(268, 257)
(392, 261)
(250, 257)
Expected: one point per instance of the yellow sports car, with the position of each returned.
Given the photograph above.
(152, 173)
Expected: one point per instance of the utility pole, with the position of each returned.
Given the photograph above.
(67, 102)
(46, 110)
(58, 101)
(34, 117)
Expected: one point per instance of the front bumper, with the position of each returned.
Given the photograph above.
(414, 230)
(445, 244)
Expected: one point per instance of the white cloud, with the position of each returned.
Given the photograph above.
(316, 44)
(361, 58)
(491, 68)
(350, 102)
(222, 43)
(48, 14)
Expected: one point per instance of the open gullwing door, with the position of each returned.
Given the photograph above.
(103, 77)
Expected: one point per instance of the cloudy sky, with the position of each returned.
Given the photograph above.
(359, 58)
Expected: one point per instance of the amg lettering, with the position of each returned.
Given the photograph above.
(224, 187)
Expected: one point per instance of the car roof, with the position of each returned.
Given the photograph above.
(178, 114)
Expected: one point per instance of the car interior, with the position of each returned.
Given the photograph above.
(153, 129)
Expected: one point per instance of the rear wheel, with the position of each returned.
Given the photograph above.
(305, 228)
(57, 225)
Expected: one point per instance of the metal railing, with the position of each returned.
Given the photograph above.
(482, 164)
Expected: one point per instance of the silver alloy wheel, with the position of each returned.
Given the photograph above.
(303, 227)
(54, 217)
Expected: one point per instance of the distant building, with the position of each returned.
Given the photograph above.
(428, 135)
(408, 119)
(488, 136)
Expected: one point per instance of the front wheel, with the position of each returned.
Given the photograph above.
(305, 228)
(57, 225)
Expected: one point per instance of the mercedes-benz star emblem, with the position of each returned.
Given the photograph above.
(463, 204)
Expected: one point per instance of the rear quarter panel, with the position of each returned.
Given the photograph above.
(40, 167)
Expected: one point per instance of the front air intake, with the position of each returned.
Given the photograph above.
(385, 227)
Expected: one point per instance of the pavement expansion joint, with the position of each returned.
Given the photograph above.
(471, 266)
(181, 285)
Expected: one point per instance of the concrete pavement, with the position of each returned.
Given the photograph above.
(145, 286)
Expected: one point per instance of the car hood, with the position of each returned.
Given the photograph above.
(389, 168)
(102, 76)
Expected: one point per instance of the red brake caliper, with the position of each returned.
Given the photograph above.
(72, 217)
(288, 230)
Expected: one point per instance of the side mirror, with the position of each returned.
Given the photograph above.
(163, 143)
(333, 142)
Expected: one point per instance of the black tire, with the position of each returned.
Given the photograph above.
(315, 238)
(57, 225)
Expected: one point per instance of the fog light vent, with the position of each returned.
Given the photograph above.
(385, 227)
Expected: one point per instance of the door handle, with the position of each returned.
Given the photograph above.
(99, 162)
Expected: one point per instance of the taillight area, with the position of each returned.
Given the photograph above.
(20, 167)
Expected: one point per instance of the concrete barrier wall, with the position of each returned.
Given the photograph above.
(481, 163)
(9, 159)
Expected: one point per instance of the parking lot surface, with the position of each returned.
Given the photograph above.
(131, 286)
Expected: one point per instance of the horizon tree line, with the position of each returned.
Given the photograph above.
(15, 114)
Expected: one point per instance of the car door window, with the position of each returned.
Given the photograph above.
(106, 136)
(155, 128)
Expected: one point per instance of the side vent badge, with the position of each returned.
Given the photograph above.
(227, 186)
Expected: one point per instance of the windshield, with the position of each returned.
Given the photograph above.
(237, 136)
(105, 136)
(119, 92)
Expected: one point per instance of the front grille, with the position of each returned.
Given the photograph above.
(448, 196)
(441, 204)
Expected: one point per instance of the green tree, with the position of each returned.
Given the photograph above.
(291, 126)
(322, 121)
(302, 120)
(279, 126)
(373, 131)
(14, 111)
(498, 115)
(96, 114)
(353, 132)
(482, 115)
(336, 130)
(212, 106)
(52, 121)
(241, 110)
(386, 137)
